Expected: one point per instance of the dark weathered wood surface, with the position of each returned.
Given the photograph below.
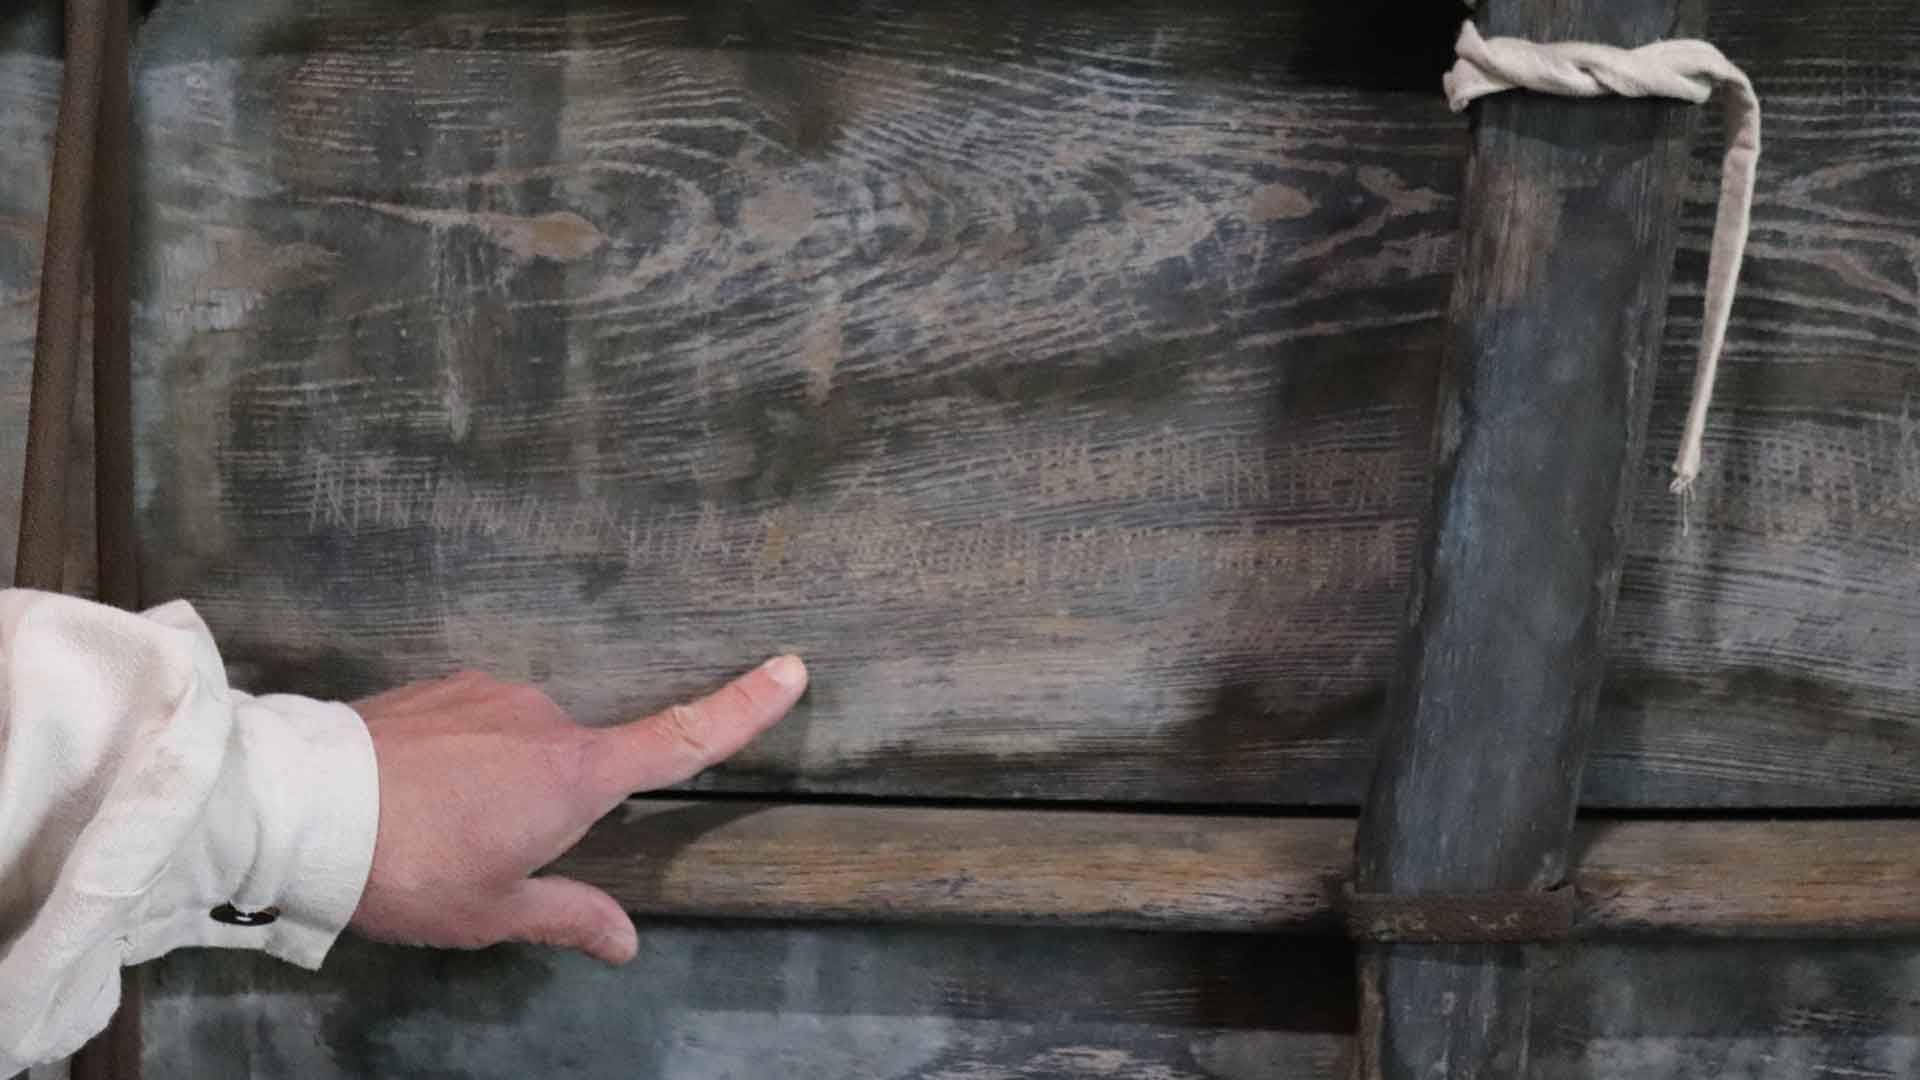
(60, 301)
(703, 1002)
(31, 86)
(1762, 657)
(1792, 592)
(115, 1053)
(1045, 389)
(767, 1002)
(1557, 316)
(1055, 381)
(1758, 1012)
(116, 560)
(1568, 225)
(1112, 870)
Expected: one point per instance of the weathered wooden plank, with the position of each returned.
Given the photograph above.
(921, 865)
(700, 1003)
(1765, 1012)
(1752, 879)
(892, 1004)
(32, 85)
(307, 349)
(116, 558)
(1041, 391)
(60, 307)
(1221, 873)
(1789, 594)
(115, 1053)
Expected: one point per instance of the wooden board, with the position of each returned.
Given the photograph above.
(1761, 654)
(812, 1003)
(1780, 625)
(1633, 878)
(32, 85)
(1781, 1011)
(1048, 393)
(801, 1003)
(1056, 380)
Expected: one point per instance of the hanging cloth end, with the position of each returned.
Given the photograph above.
(1686, 70)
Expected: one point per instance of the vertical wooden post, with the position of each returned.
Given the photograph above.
(1558, 309)
(56, 343)
(115, 1053)
(89, 198)
(119, 582)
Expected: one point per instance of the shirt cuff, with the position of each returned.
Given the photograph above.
(290, 826)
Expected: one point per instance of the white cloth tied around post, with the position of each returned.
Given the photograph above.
(1688, 70)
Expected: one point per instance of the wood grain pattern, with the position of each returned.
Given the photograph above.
(1782, 590)
(845, 1003)
(297, 356)
(1837, 878)
(1112, 870)
(1047, 393)
(727, 859)
(1108, 491)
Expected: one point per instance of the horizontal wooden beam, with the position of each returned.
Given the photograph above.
(1637, 878)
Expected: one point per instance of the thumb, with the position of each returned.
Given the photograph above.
(677, 744)
(569, 914)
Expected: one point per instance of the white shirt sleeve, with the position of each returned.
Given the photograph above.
(138, 793)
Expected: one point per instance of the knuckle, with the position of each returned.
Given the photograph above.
(572, 752)
(528, 700)
(475, 937)
(469, 681)
(525, 692)
(685, 728)
(739, 698)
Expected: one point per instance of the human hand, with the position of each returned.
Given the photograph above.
(482, 782)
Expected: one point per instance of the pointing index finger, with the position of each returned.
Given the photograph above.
(680, 742)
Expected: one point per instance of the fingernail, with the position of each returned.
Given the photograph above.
(617, 947)
(788, 671)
